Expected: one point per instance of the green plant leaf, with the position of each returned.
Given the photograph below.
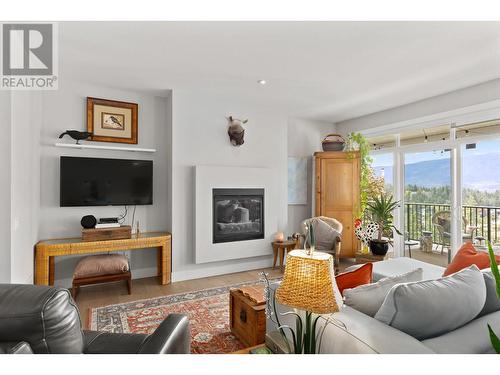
(495, 341)
(494, 267)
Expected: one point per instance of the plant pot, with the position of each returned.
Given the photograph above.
(379, 247)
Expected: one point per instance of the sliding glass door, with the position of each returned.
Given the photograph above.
(427, 206)
(481, 192)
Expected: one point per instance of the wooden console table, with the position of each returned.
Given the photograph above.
(46, 251)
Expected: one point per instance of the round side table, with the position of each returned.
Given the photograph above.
(280, 248)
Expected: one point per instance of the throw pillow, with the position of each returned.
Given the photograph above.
(325, 235)
(430, 308)
(492, 303)
(368, 298)
(352, 279)
(467, 256)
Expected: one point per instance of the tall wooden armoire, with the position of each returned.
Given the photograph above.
(337, 193)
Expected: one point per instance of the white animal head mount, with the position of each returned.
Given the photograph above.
(236, 131)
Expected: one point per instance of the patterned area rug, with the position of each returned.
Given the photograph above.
(208, 312)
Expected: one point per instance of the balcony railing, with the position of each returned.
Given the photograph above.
(418, 218)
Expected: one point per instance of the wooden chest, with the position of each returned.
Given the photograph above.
(106, 234)
(247, 318)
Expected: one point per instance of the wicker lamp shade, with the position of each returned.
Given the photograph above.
(309, 283)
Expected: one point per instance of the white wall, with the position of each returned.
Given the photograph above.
(469, 96)
(5, 186)
(304, 138)
(25, 174)
(200, 138)
(66, 109)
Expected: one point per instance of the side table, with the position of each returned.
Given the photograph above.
(280, 248)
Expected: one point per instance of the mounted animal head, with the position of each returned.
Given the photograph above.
(236, 131)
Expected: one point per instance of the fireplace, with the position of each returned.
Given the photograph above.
(238, 214)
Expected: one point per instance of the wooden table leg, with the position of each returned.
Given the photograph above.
(51, 270)
(164, 264)
(282, 257)
(275, 251)
(41, 269)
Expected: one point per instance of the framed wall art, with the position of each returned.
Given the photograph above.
(112, 121)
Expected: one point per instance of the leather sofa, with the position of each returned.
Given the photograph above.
(46, 320)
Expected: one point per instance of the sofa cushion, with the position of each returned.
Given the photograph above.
(357, 277)
(466, 256)
(472, 338)
(103, 264)
(368, 298)
(325, 235)
(430, 308)
(492, 303)
(400, 265)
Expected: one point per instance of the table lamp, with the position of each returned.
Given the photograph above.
(309, 284)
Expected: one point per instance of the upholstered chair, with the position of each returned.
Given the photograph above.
(328, 240)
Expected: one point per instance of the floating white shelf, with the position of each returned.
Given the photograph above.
(114, 148)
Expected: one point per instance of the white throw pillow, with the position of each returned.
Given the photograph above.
(430, 308)
(368, 298)
(325, 235)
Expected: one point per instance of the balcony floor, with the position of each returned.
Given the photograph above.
(434, 257)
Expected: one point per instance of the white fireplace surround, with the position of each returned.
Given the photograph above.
(208, 178)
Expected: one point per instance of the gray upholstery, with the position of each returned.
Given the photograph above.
(492, 303)
(431, 308)
(21, 347)
(351, 331)
(470, 338)
(46, 320)
(45, 317)
(397, 266)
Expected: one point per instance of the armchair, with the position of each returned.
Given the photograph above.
(336, 227)
(41, 319)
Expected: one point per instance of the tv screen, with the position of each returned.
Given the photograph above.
(105, 182)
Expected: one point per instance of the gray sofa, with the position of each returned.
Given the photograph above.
(353, 332)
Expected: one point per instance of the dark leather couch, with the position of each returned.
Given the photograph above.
(41, 319)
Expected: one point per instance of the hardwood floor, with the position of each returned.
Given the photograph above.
(111, 293)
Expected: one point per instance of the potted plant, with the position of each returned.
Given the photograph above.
(381, 209)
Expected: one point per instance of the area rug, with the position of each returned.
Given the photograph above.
(208, 312)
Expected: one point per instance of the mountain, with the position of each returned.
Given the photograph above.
(480, 172)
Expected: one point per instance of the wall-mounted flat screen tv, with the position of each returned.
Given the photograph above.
(105, 182)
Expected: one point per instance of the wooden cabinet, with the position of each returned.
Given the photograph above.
(337, 193)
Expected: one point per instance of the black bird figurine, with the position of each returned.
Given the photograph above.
(76, 135)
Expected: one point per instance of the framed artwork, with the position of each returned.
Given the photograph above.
(297, 180)
(112, 121)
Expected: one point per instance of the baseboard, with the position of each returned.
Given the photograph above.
(205, 270)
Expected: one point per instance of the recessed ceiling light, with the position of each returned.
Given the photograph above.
(262, 82)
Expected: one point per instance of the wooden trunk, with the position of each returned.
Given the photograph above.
(337, 193)
(247, 319)
(103, 234)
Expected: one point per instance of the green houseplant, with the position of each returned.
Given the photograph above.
(381, 210)
(495, 341)
(357, 142)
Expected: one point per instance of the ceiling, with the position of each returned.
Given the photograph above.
(328, 71)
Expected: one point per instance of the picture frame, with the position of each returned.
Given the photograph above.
(112, 121)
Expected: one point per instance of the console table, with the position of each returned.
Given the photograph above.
(47, 250)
